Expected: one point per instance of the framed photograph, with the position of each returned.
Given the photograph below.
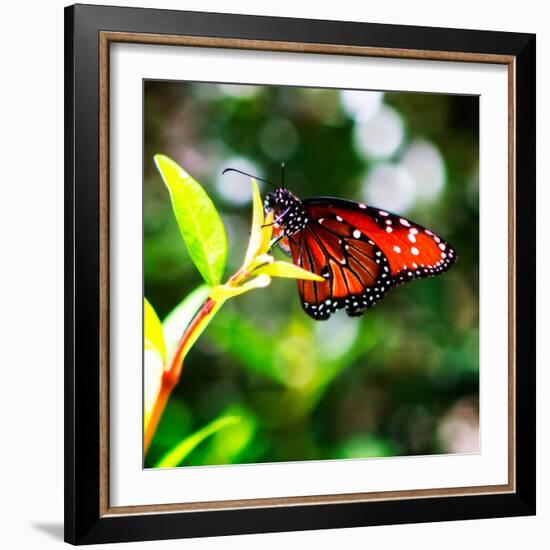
(300, 274)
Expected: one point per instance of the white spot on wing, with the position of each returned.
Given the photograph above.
(397, 249)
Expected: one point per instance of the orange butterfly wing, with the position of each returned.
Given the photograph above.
(361, 252)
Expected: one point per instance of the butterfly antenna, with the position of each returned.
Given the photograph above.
(249, 175)
(283, 175)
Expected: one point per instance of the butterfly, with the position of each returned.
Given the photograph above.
(361, 251)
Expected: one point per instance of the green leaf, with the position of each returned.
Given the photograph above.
(286, 269)
(231, 445)
(153, 337)
(177, 455)
(179, 318)
(367, 446)
(200, 224)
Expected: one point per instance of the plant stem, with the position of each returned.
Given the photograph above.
(173, 369)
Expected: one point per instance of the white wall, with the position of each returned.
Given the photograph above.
(31, 260)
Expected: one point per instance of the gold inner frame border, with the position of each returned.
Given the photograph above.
(105, 39)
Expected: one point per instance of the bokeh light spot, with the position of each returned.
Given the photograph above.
(361, 104)
(380, 136)
(278, 139)
(390, 187)
(233, 187)
(424, 162)
(239, 91)
(459, 429)
(336, 335)
(296, 362)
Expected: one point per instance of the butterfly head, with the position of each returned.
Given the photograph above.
(288, 211)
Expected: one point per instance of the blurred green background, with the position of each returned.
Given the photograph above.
(402, 379)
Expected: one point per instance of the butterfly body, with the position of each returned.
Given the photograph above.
(361, 251)
(289, 211)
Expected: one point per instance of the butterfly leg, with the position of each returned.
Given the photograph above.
(272, 245)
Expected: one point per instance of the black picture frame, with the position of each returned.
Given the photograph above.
(86, 520)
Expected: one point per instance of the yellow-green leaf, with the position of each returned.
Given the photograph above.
(153, 368)
(153, 337)
(177, 455)
(198, 220)
(177, 320)
(286, 269)
(258, 233)
(267, 233)
(223, 292)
